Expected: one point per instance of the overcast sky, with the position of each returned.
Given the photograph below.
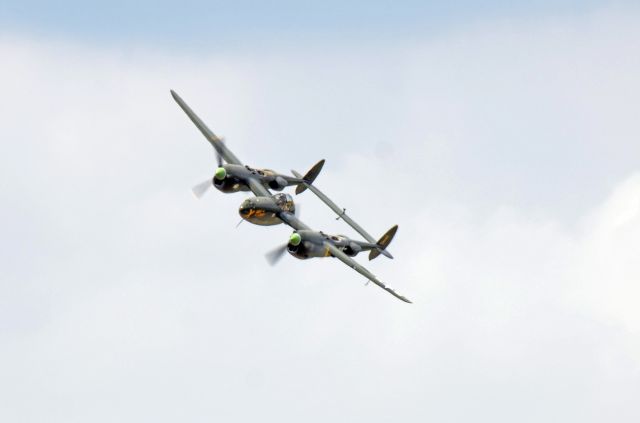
(504, 142)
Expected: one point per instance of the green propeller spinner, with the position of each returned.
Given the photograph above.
(295, 239)
(221, 173)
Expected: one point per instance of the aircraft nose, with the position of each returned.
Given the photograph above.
(245, 208)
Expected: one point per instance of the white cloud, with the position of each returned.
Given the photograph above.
(123, 298)
(606, 270)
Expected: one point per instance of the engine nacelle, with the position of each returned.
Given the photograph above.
(305, 244)
(278, 183)
(229, 184)
(352, 249)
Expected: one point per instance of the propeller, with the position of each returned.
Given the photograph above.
(202, 188)
(274, 256)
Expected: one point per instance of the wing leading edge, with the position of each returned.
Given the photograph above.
(297, 224)
(228, 156)
(336, 252)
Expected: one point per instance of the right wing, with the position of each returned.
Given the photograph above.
(257, 188)
(226, 154)
(254, 184)
(340, 212)
(336, 252)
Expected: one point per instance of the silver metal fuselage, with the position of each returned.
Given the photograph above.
(264, 211)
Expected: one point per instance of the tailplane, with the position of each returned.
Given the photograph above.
(383, 243)
(310, 176)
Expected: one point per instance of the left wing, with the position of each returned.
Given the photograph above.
(228, 156)
(336, 252)
(292, 220)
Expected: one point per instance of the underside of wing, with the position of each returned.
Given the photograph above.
(336, 252)
(216, 142)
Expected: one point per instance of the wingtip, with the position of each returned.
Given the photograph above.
(396, 294)
(403, 298)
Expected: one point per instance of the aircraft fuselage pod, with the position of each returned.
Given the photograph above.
(264, 211)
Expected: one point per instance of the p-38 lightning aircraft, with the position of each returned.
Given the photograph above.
(268, 209)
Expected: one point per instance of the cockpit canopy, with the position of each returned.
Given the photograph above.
(284, 202)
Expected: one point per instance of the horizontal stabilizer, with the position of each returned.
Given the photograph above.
(383, 243)
(378, 247)
(311, 176)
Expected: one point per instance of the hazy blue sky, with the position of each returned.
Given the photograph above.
(226, 24)
(501, 138)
